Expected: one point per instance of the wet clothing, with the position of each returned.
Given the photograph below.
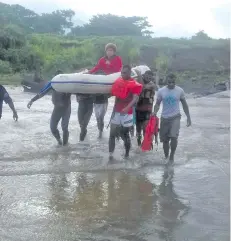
(124, 91)
(142, 116)
(123, 132)
(61, 99)
(146, 100)
(169, 128)
(58, 99)
(143, 112)
(145, 105)
(121, 123)
(170, 117)
(4, 96)
(108, 66)
(121, 119)
(85, 110)
(100, 112)
(63, 113)
(171, 100)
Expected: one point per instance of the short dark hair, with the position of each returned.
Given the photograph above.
(127, 66)
(171, 76)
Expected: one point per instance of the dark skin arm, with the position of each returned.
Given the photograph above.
(9, 101)
(11, 105)
(139, 78)
(131, 104)
(156, 107)
(185, 108)
(186, 111)
(38, 96)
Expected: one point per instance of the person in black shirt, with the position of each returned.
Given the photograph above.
(4, 96)
(62, 110)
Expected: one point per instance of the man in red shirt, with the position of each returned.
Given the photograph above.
(127, 95)
(109, 64)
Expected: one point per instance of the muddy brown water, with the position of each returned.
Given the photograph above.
(73, 194)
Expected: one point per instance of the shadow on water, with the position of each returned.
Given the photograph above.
(117, 205)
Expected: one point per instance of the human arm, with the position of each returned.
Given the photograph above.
(97, 67)
(133, 102)
(185, 108)
(7, 99)
(158, 102)
(15, 114)
(135, 90)
(38, 96)
(139, 77)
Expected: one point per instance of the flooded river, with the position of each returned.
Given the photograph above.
(73, 194)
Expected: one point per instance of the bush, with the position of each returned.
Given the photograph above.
(5, 67)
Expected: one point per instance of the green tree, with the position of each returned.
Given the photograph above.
(56, 22)
(201, 35)
(113, 25)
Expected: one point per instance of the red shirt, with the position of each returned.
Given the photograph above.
(108, 66)
(133, 88)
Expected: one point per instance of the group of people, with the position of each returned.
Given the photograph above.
(134, 99)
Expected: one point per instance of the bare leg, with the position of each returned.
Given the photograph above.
(65, 124)
(173, 148)
(55, 118)
(100, 111)
(84, 115)
(124, 132)
(138, 132)
(166, 148)
(113, 134)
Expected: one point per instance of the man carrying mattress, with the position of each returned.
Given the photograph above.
(62, 110)
(127, 91)
(109, 64)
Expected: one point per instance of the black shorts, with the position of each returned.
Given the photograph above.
(142, 116)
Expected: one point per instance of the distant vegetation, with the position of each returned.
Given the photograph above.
(41, 44)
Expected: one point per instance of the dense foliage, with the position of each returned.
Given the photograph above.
(30, 42)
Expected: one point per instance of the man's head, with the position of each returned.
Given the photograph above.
(171, 81)
(126, 72)
(148, 76)
(110, 50)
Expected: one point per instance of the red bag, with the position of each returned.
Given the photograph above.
(151, 130)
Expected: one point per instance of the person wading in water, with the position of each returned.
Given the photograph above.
(171, 95)
(61, 111)
(145, 104)
(127, 91)
(109, 64)
(85, 109)
(4, 96)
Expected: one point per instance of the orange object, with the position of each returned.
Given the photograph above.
(151, 130)
(121, 88)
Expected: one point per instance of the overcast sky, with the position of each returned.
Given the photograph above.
(173, 18)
